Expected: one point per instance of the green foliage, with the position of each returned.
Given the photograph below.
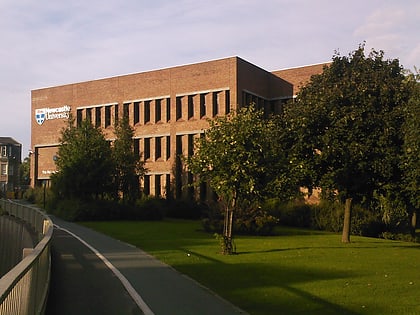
(346, 123)
(84, 163)
(24, 171)
(239, 159)
(328, 216)
(411, 147)
(128, 166)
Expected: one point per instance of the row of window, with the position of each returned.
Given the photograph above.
(190, 106)
(159, 147)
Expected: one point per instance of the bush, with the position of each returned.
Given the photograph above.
(297, 214)
(181, 209)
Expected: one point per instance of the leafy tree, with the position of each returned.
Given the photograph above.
(128, 167)
(84, 163)
(411, 148)
(240, 161)
(346, 125)
(24, 171)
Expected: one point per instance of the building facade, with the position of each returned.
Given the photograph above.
(168, 109)
(10, 160)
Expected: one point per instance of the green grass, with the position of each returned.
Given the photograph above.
(297, 272)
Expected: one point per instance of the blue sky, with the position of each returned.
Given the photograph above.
(52, 42)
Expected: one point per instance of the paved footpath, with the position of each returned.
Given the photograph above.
(95, 274)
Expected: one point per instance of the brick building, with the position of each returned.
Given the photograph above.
(10, 159)
(168, 108)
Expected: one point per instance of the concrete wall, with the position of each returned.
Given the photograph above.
(15, 235)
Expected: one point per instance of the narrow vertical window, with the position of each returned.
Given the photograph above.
(89, 114)
(116, 113)
(79, 117)
(215, 103)
(146, 111)
(158, 190)
(227, 100)
(168, 147)
(126, 111)
(146, 185)
(107, 116)
(158, 147)
(168, 109)
(190, 106)
(202, 105)
(158, 110)
(98, 120)
(136, 112)
(146, 148)
(178, 107)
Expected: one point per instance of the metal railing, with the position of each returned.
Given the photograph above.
(24, 289)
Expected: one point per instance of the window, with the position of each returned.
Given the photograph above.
(215, 103)
(146, 148)
(3, 151)
(89, 114)
(158, 190)
(190, 106)
(178, 107)
(146, 111)
(202, 105)
(79, 117)
(168, 109)
(158, 110)
(107, 116)
(158, 147)
(98, 111)
(126, 111)
(168, 147)
(116, 113)
(136, 112)
(227, 99)
(3, 169)
(146, 185)
(190, 145)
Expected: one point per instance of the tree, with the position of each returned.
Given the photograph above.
(128, 167)
(241, 162)
(24, 171)
(346, 123)
(411, 148)
(84, 163)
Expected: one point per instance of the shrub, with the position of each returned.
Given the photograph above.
(297, 213)
(182, 209)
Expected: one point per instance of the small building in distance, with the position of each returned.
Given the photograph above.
(168, 109)
(10, 160)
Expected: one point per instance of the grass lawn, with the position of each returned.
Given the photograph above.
(296, 272)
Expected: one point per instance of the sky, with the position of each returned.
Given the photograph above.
(51, 42)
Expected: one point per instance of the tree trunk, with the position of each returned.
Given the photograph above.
(227, 230)
(345, 238)
(413, 223)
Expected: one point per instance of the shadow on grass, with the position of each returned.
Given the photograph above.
(275, 288)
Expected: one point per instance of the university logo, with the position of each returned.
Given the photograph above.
(43, 114)
(40, 115)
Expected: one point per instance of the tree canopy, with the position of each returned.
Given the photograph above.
(84, 163)
(346, 123)
(242, 161)
(128, 166)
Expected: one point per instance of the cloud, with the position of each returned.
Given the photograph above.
(393, 29)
